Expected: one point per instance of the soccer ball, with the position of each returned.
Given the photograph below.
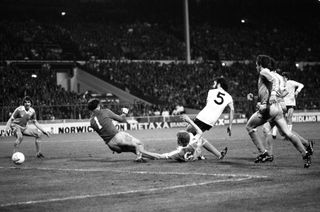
(18, 158)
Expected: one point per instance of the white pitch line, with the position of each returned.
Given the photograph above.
(121, 192)
(134, 172)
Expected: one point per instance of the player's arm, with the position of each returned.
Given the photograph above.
(275, 86)
(231, 115)
(121, 117)
(284, 93)
(299, 87)
(9, 123)
(173, 155)
(12, 117)
(178, 155)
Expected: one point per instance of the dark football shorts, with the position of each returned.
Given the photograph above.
(203, 126)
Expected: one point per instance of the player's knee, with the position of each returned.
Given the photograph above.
(37, 134)
(249, 128)
(19, 138)
(137, 147)
(191, 129)
(288, 134)
(281, 132)
(17, 142)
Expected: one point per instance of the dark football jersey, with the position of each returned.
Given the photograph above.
(101, 122)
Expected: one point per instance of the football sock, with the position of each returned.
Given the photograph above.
(257, 141)
(274, 131)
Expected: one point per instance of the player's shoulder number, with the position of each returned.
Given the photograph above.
(219, 98)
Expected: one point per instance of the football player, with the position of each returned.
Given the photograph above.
(117, 141)
(190, 145)
(267, 130)
(293, 88)
(218, 99)
(270, 110)
(18, 124)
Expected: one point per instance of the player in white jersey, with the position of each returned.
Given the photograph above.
(293, 88)
(190, 145)
(18, 124)
(217, 100)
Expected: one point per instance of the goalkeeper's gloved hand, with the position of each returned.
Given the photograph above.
(125, 110)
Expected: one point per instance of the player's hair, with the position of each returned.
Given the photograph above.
(93, 104)
(183, 138)
(273, 64)
(279, 71)
(286, 75)
(26, 98)
(223, 83)
(264, 61)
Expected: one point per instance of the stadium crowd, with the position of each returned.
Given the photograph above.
(174, 83)
(170, 85)
(33, 40)
(51, 100)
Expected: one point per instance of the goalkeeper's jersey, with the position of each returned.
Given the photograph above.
(101, 122)
(189, 153)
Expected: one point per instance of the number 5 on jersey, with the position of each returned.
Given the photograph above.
(219, 100)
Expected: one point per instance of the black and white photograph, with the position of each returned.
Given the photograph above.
(160, 105)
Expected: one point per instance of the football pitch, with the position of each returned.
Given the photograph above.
(80, 173)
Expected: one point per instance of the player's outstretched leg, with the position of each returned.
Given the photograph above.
(255, 121)
(150, 155)
(210, 148)
(139, 158)
(38, 149)
(19, 139)
(267, 131)
(295, 140)
(310, 147)
(307, 160)
(264, 156)
(308, 144)
(17, 142)
(142, 153)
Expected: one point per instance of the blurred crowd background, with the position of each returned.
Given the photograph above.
(123, 42)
